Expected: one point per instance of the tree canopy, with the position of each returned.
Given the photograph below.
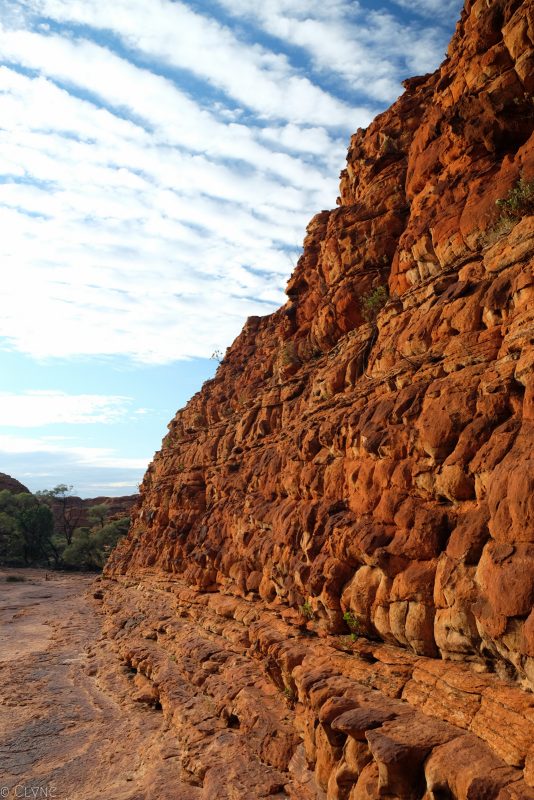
(31, 534)
(26, 530)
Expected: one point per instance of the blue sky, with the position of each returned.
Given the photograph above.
(159, 162)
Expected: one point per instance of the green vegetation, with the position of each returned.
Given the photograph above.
(44, 530)
(90, 547)
(306, 610)
(288, 354)
(373, 302)
(26, 530)
(97, 514)
(289, 694)
(308, 351)
(353, 623)
(503, 226)
(519, 202)
(68, 509)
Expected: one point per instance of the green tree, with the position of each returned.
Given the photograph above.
(10, 535)
(90, 548)
(67, 508)
(112, 533)
(519, 201)
(97, 514)
(26, 529)
(36, 524)
(82, 552)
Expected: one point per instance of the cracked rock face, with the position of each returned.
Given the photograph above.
(363, 460)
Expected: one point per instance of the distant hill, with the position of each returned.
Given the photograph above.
(11, 484)
(118, 506)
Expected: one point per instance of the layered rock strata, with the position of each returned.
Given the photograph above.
(362, 465)
(261, 708)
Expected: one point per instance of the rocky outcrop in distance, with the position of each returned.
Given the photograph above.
(79, 507)
(117, 506)
(329, 579)
(7, 483)
(73, 511)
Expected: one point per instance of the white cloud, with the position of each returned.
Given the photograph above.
(429, 8)
(197, 223)
(95, 457)
(91, 470)
(172, 33)
(33, 409)
(369, 49)
(156, 195)
(111, 485)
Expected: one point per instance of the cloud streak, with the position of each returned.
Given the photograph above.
(158, 165)
(95, 457)
(34, 409)
(366, 48)
(256, 78)
(92, 470)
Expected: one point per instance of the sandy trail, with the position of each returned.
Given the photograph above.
(69, 729)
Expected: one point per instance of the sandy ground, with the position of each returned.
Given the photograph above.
(69, 729)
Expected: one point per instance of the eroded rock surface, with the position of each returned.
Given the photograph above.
(368, 467)
(261, 707)
(70, 726)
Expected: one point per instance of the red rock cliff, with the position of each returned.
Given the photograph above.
(363, 460)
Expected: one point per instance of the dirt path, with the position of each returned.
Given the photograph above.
(69, 729)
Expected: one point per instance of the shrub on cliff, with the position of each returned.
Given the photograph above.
(288, 354)
(353, 623)
(373, 302)
(519, 202)
(306, 610)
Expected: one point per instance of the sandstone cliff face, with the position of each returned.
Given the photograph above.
(352, 467)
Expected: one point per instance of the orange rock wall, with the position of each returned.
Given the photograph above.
(384, 468)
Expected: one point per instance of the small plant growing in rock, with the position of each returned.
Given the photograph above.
(373, 302)
(306, 610)
(288, 354)
(309, 351)
(519, 202)
(503, 226)
(387, 145)
(289, 694)
(353, 623)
